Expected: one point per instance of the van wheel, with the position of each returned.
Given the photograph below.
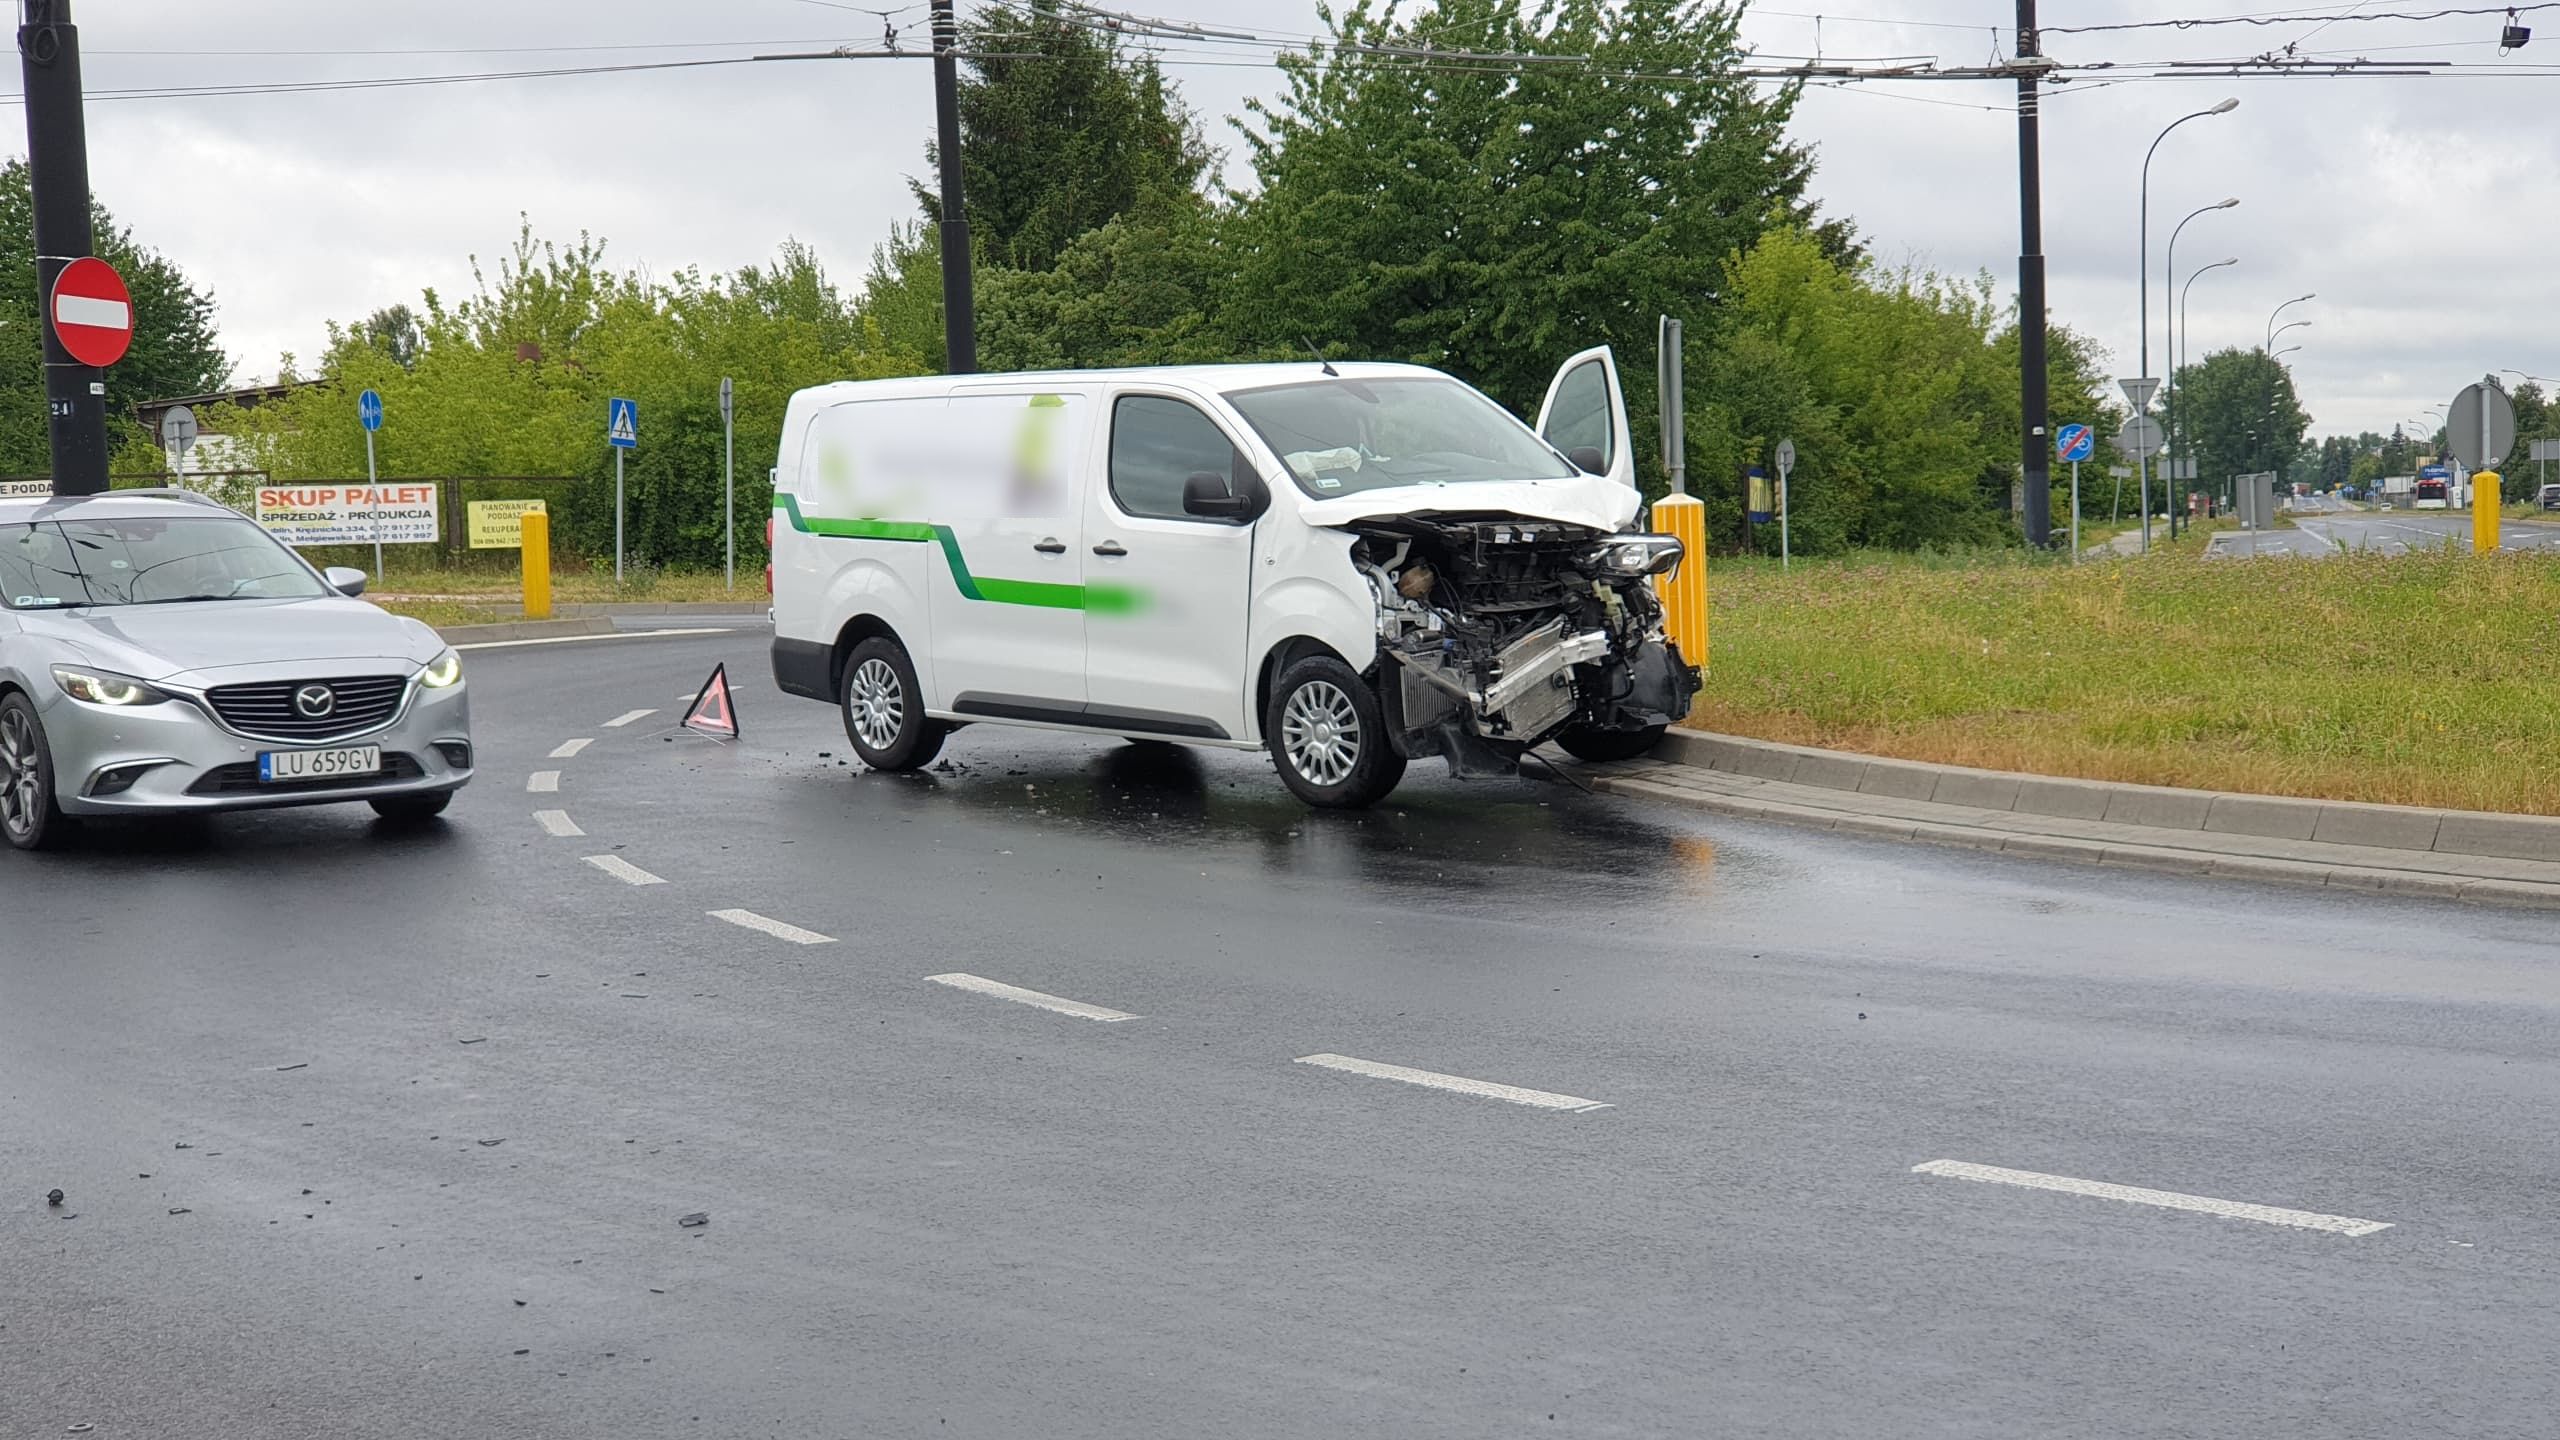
(29, 818)
(1329, 736)
(884, 711)
(1599, 746)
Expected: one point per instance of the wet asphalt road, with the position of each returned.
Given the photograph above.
(433, 1103)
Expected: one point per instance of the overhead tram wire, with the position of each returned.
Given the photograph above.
(2297, 17)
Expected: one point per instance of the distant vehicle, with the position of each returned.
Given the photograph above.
(2549, 499)
(160, 653)
(1350, 565)
(2433, 492)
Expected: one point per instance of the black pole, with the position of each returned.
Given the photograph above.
(959, 308)
(58, 173)
(2032, 400)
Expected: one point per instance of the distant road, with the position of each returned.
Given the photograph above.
(2390, 532)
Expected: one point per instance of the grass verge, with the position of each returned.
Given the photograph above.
(2431, 678)
(496, 579)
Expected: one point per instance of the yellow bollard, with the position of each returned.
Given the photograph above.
(537, 565)
(2484, 512)
(1684, 592)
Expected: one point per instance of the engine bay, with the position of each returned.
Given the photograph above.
(1495, 633)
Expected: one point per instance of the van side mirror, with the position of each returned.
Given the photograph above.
(1588, 459)
(345, 580)
(1212, 498)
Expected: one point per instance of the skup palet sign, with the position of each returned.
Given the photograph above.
(350, 514)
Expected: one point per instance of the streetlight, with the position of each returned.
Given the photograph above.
(2289, 349)
(2537, 379)
(2142, 315)
(2178, 360)
(2288, 325)
(2168, 341)
(2271, 315)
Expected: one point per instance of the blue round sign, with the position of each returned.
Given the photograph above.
(369, 410)
(2075, 442)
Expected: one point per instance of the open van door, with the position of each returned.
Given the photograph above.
(1586, 411)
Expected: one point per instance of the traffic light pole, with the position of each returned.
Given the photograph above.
(58, 173)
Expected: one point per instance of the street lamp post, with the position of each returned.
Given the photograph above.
(2293, 325)
(2142, 313)
(2271, 316)
(2178, 360)
(2168, 347)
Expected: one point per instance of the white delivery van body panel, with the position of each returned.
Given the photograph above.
(1002, 482)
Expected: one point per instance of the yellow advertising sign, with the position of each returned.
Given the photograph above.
(499, 524)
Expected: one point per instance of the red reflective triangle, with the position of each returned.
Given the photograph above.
(712, 714)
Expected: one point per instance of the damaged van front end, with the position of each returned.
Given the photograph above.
(1496, 634)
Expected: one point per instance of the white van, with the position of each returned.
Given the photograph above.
(1352, 565)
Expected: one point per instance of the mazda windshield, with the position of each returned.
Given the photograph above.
(1343, 436)
(148, 561)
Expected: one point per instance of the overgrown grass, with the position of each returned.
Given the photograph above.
(444, 613)
(2431, 678)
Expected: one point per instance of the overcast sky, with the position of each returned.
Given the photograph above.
(2422, 211)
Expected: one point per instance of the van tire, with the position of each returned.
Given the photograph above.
(1600, 746)
(1328, 736)
(883, 708)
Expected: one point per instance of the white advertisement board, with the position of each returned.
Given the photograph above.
(392, 514)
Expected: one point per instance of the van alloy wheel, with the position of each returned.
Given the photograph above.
(876, 703)
(1322, 732)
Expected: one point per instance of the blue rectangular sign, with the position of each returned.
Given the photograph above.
(622, 423)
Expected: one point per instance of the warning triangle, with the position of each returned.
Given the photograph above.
(712, 714)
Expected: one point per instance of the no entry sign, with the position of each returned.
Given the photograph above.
(92, 312)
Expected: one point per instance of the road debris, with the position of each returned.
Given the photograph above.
(53, 1198)
(695, 1221)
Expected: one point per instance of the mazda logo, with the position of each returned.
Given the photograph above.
(315, 702)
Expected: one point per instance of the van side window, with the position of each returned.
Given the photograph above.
(1581, 413)
(1156, 445)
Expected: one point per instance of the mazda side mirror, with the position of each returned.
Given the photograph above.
(345, 581)
(1588, 459)
(1212, 498)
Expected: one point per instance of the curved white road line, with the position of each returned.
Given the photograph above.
(557, 823)
(623, 870)
(569, 749)
(542, 782)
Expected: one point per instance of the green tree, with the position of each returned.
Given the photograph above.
(175, 350)
(2243, 414)
(1061, 132)
(1493, 219)
(394, 331)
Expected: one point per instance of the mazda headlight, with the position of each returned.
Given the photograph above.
(1638, 554)
(442, 672)
(103, 687)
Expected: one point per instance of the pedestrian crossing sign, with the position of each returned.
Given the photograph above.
(622, 423)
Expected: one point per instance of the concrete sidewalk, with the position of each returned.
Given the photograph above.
(2448, 854)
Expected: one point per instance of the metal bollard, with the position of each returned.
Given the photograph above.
(1684, 592)
(537, 565)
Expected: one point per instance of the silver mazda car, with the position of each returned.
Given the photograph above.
(161, 653)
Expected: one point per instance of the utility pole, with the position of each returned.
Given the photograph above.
(959, 307)
(58, 172)
(2032, 400)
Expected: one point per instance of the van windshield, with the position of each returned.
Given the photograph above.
(1343, 436)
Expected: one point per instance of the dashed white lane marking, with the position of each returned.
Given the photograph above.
(623, 870)
(582, 639)
(557, 822)
(543, 782)
(981, 985)
(2166, 1199)
(570, 749)
(1486, 1089)
(626, 717)
(775, 928)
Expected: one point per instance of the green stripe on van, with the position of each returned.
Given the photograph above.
(1097, 599)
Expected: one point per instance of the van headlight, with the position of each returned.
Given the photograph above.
(104, 687)
(1638, 554)
(442, 672)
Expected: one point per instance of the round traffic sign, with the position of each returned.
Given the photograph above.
(2140, 436)
(92, 312)
(2462, 426)
(178, 429)
(369, 409)
(2075, 443)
